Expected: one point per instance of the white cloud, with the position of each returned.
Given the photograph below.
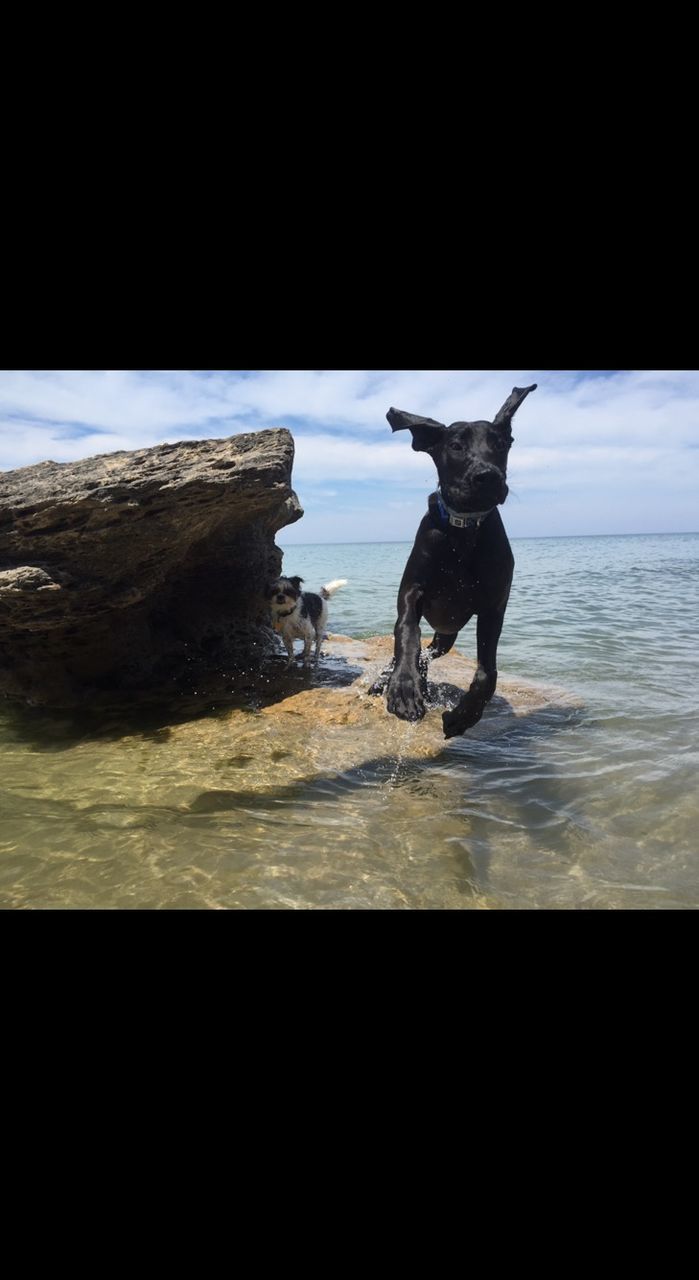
(324, 457)
(629, 438)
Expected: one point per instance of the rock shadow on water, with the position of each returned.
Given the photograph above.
(310, 778)
(209, 695)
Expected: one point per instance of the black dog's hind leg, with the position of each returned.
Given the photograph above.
(440, 644)
(469, 710)
(379, 685)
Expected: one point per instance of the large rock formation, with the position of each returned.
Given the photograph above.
(122, 571)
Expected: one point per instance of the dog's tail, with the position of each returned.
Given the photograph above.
(331, 587)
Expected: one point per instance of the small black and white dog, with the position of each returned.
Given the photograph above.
(300, 615)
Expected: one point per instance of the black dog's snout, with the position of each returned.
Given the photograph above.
(480, 479)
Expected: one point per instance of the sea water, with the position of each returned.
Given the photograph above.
(596, 809)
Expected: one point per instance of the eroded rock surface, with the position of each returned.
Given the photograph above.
(124, 570)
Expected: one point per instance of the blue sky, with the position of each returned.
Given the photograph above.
(596, 451)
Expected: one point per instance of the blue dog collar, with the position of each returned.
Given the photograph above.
(459, 519)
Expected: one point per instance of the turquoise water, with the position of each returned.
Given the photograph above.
(596, 809)
(598, 614)
(611, 801)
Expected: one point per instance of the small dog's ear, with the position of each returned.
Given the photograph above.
(505, 415)
(425, 431)
(296, 582)
(269, 590)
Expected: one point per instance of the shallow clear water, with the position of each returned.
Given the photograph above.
(594, 807)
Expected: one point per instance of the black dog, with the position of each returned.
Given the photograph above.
(461, 563)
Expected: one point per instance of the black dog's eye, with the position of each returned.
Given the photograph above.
(456, 446)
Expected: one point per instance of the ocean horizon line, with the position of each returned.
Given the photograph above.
(528, 537)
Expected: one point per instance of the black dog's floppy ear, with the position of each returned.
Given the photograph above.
(511, 405)
(425, 431)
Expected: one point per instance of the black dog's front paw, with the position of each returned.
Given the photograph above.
(404, 698)
(463, 717)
